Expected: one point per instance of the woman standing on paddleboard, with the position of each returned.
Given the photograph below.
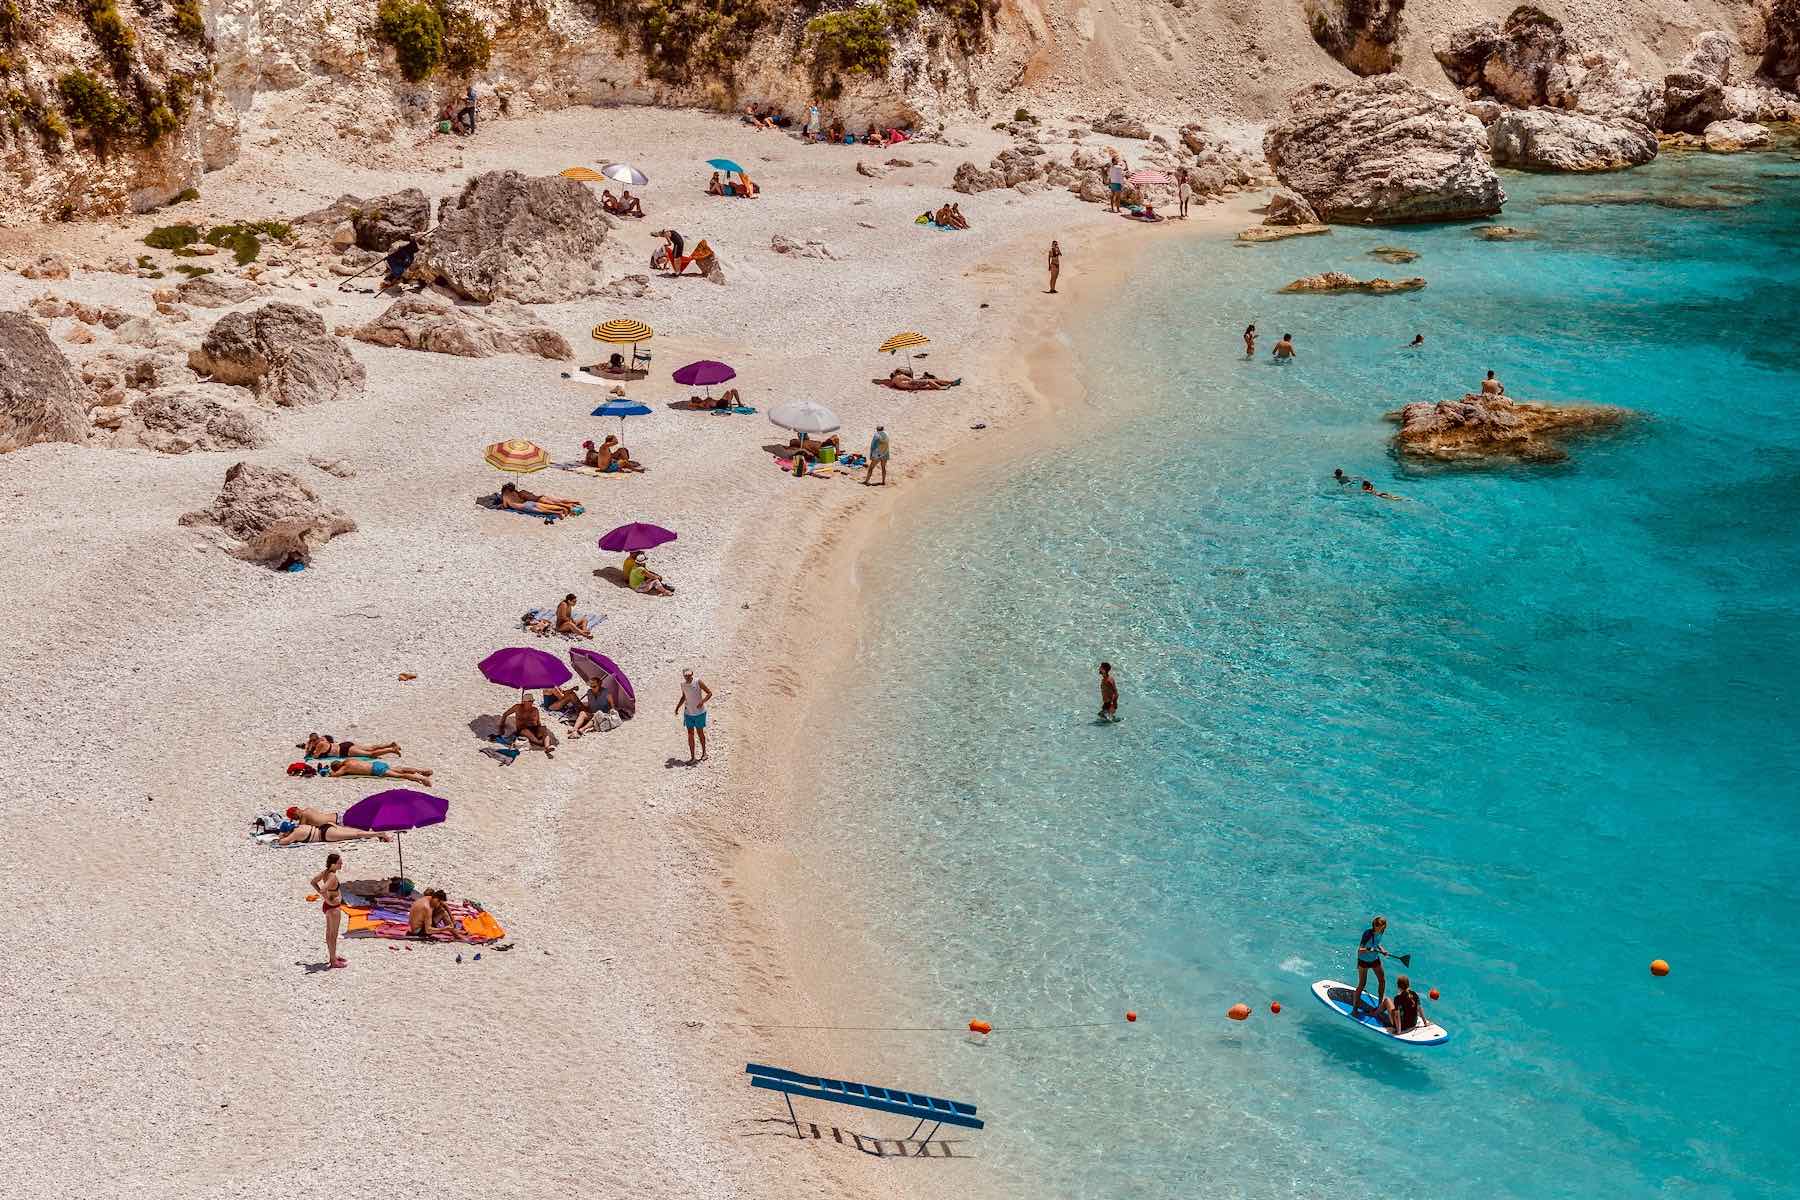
(1369, 952)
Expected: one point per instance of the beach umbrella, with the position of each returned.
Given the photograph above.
(582, 175)
(623, 331)
(1148, 178)
(592, 665)
(396, 811)
(516, 456)
(803, 417)
(621, 408)
(523, 667)
(704, 374)
(724, 164)
(636, 536)
(904, 341)
(624, 173)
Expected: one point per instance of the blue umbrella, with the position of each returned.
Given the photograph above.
(724, 164)
(621, 408)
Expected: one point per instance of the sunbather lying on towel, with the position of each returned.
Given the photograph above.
(640, 578)
(1148, 214)
(381, 770)
(312, 825)
(519, 500)
(323, 745)
(903, 380)
(524, 720)
(430, 914)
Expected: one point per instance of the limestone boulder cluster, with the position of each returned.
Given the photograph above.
(507, 235)
(1214, 167)
(276, 517)
(1364, 35)
(1383, 150)
(283, 353)
(431, 323)
(1477, 430)
(1547, 139)
(41, 400)
(1337, 282)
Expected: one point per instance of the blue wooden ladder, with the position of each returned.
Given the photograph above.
(938, 1111)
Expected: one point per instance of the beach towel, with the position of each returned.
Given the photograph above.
(924, 224)
(741, 410)
(385, 917)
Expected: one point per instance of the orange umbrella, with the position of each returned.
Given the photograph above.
(516, 456)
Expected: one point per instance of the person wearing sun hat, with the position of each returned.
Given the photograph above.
(692, 707)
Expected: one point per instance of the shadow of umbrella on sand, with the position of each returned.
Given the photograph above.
(396, 811)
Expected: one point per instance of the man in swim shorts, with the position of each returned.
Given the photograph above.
(1115, 184)
(378, 769)
(692, 707)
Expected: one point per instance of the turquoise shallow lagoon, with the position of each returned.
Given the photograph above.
(1542, 719)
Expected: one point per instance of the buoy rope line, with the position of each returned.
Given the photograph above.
(925, 1028)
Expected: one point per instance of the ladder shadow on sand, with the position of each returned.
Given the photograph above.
(867, 1143)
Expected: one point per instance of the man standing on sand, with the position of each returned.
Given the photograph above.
(1055, 265)
(1109, 695)
(878, 453)
(1184, 191)
(1115, 183)
(692, 707)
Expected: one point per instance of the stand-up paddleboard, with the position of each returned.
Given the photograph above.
(1338, 997)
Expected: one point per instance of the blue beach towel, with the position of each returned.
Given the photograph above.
(742, 410)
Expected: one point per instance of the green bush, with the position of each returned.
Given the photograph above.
(901, 14)
(172, 237)
(682, 39)
(416, 32)
(191, 271)
(91, 105)
(12, 22)
(157, 120)
(968, 21)
(467, 49)
(852, 42)
(110, 30)
(188, 21)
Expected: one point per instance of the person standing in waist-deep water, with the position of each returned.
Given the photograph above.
(1284, 349)
(1109, 694)
(1055, 265)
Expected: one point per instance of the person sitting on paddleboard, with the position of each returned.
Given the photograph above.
(1369, 953)
(1402, 1011)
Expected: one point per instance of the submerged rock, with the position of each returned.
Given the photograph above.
(427, 322)
(1276, 233)
(535, 240)
(1336, 281)
(1394, 254)
(1545, 139)
(1480, 429)
(1676, 200)
(282, 352)
(1384, 150)
(41, 400)
(1503, 233)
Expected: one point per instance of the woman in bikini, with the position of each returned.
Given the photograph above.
(379, 769)
(311, 825)
(515, 497)
(331, 899)
(323, 745)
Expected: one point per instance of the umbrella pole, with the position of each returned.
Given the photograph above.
(400, 844)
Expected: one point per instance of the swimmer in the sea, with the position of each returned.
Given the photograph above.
(1418, 340)
(1369, 490)
(1284, 349)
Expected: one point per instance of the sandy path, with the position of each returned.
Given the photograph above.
(178, 1029)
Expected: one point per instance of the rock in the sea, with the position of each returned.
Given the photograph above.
(1547, 139)
(182, 419)
(276, 514)
(216, 291)
(535, 240)
(1478, 429)
(1394, 254)
(1288, 207)
(1276, 233)
(1332, 282)
(41, 400)
(427, 322)
(1503, 233)
(1730, 137)
(1364, 35)
(1119, 123)
(1384, 150)
(794, 247)
(282, 352)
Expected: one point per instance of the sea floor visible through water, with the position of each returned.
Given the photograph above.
(1541, 718)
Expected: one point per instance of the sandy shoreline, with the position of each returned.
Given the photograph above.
(171, 986)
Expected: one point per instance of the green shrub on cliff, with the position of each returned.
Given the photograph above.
(901, 14)
(852, 42)
(12, 22)
(188, 21)
(467, 48)
(110, 30)
(94, 107)
(681, 39)
(416, 32)
(968, 21)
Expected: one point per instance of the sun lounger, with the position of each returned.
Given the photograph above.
(386, 916)
(938, 1111)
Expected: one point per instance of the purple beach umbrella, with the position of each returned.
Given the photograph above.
(522, 667)
(590, 664)
(704, 374)
(396, 810)
(635, 536)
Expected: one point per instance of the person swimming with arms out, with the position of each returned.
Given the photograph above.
(1368, 489)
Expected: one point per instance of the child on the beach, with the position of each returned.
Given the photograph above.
(1109, 694)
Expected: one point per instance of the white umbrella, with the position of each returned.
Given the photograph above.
(625, 173)
(803, 416)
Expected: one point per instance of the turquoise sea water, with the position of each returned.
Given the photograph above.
(1542, 719)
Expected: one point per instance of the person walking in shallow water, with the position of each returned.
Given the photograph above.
(1249, 341)
(1109, 694)
(1055, 265)
(1284, 349)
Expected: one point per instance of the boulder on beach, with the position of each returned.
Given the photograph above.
(1120, 124)
(508, 235)
(1547, 139)
(41, 400)
(1288, 207)
(277, 515)
(1384, 150)
(375, 223)
(431, 323)
(1492, 429)
(282, 352)
(1695, 92)
(794, 247)
(216, 291)
(1731, 137)
(179, 420)
(1333, 282)
(1364, 35)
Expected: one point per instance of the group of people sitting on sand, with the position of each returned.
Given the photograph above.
(622, 205)
(562, 619)
(640, 578)
(815, 128)
(743, 186)
(765, 116)
(950, 216)
(603, 697)
(903, 380)
(609, 456)
(517, 499)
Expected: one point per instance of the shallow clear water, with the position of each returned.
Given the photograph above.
(1542, 719)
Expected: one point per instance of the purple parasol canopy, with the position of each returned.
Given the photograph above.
(704, 373)
(396, 810)
(635, 536)
(523, 667)
(588, 663)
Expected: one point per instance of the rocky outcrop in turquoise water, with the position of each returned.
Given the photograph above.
(1492, 429)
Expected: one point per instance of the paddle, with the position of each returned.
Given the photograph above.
(1405, 959)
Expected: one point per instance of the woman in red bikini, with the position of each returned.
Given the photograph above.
(331, 899)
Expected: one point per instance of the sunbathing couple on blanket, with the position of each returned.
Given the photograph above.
(640, 578)
(314, 825)
(623, 205)
(610, 455)
(903, 380)
(430, 914)
(811, 449)
(517, 499)
(561, 619)
(603, 697)
(355, 759)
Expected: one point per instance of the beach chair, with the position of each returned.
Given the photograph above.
(938, 1111)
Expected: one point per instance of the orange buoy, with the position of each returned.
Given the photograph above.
(1131, 1016)
(1659, 968)
(1238, 1012)
(1433, 993)
(1274, 1006)
(980, 1027)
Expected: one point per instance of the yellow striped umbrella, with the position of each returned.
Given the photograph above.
(516, 456)
(583, 175)
(906, 342)
(623, 331)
